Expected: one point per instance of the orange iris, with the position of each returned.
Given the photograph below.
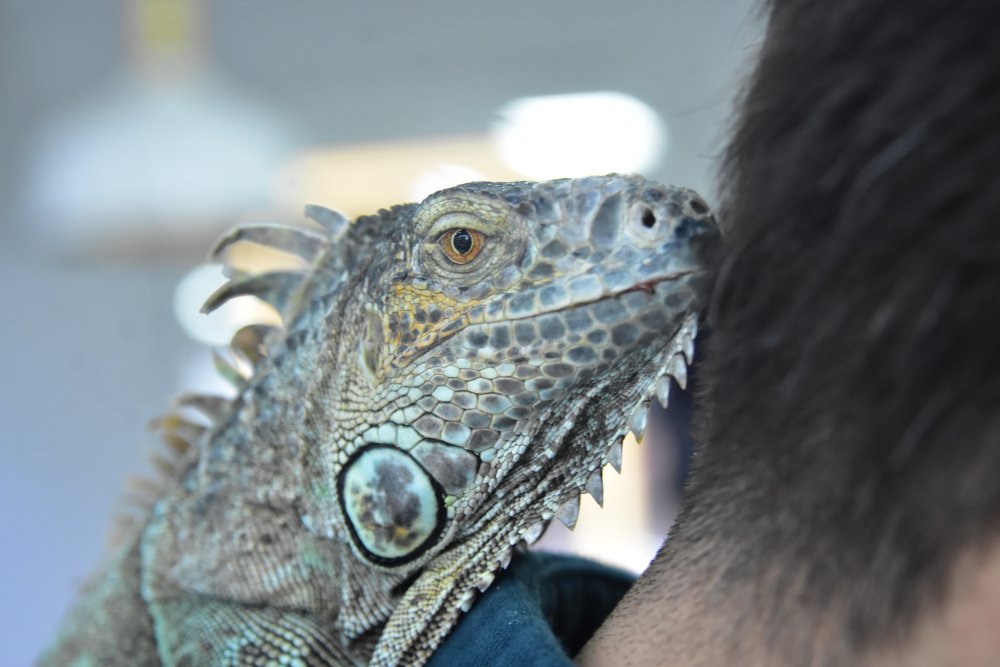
(462, 245)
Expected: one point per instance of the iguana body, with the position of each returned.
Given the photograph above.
(451, 377)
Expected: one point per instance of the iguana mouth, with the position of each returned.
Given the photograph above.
(647, 287)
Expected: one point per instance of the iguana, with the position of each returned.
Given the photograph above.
(451, 376)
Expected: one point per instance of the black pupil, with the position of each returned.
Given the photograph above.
(461, 241)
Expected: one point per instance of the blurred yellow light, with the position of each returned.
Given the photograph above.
(360, 179)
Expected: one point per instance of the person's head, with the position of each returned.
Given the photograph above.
(845, 493)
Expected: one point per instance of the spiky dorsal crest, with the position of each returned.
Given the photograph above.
(191, 415)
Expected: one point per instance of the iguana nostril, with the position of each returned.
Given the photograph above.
(698, 206)
(648, 219)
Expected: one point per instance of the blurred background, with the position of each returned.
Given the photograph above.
(133, 132)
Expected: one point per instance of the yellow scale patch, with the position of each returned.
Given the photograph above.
(419, 336)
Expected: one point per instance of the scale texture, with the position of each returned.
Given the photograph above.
(450, 376)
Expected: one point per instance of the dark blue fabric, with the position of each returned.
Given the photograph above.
(541, 611)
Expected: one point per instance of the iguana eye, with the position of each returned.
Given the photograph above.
(462, 245)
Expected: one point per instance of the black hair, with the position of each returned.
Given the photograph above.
(849, 441)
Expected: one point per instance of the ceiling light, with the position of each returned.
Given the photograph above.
(579, 134)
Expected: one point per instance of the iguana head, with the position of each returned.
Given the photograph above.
(476, 358)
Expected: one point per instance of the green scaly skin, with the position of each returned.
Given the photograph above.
(451, 376)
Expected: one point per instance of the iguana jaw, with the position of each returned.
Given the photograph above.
(548, 487)
(652, 378)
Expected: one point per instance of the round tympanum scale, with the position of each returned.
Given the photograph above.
(394, 508)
